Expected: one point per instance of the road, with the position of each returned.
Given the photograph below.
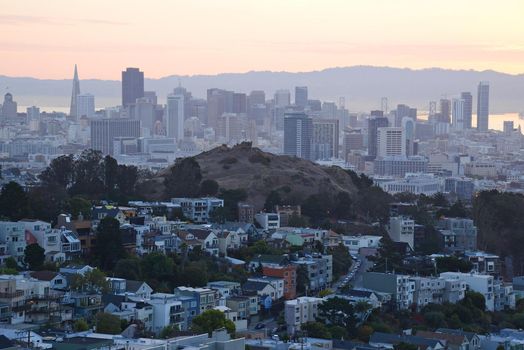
(356, 279)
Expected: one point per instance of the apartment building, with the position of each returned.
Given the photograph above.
(299, 311)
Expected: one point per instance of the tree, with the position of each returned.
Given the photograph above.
(11, 263)
(404, 346)
(452, 263)
(231, 199)
(108, 249)
(302, 280)
(273, 199)
(128, 268)
(47, 202)
(316, 330)
(342, 260)
(338, 312)
(107, 323)
(343, 206)
(157, 266)
(59, 172)
(373, 204)
(317, 208)
(219, 215)
(211, 320)
(183, 179)
(88, 174)
(110, 166)
(79, 205)
(127, 179)
(195, 274)
(168, 331)
(297, 221)
(80, 325)
(92, 281)
(34, 256)
(208, 188)
(13, 202)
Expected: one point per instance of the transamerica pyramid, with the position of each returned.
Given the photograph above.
(74, 94)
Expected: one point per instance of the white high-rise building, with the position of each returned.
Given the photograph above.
(85, 105)
(174, 117)
(391, 141)
(457, 114)
(483, 106)
(282, 98)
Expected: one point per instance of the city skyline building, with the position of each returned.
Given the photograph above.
(483, 106)
(174, 116)
(468, 109)
(298, 135)
(132, 85)
(74, 94)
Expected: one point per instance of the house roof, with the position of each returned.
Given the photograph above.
(255, 285)
(44, 275)
(455, 339)
(133, 286)
(270, 259)
(359, 293)
(386, 338)
(468, 335)
(200, 234)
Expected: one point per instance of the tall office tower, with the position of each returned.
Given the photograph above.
(218, 102)
(391, 141)
(408, 125)
(104, 132)
(144, 110)
(239, 103)
(483, 106)
(232, 128)
(199, 109)
(151, 97)
(325, 139)
(9, 108)
(468, 108)
(353, 141)
(508, 127)
(74, 93)
(329, 110)
(384, 105)
(377, 113)
(301, 96)
(401, 112)
(373, 124)
(179, 90)
(457, 114)
(432, 108)
(257, 97)
(174, 117)
(132, 85)
(282, 98)
(314, 105)
(298, 135)
(85, 105)
(445, 111)
(33, 113)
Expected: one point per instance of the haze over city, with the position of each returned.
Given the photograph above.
(262, 175)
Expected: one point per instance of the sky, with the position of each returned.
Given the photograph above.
(44, 39)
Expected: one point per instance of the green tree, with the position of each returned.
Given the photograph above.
(338, 312)
(317, 208)
(273, 199)
(316, 330)
(92, 282)
(209, 187)
(373, 204)
(211, 320)
(157, 266)
(195, 274)
(88, 175)
(34, 256)
(79, 205)
(342, 260)
(128, 268)
(59, 172)
(47, 202)
(11, 263)
(127, 180)
(13, 202)
(183, 179)
(107, 323)
(219, 215)
(231, 199)
(168, 331)
(108, 249)
(452, 263)
(80, 325)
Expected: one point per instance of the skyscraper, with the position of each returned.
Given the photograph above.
(301, 96)
(298, 135)
(132, 85)
(282, 98)
(325, 138)
(85, 105)
(458, 107)
(33, 113)
(391, 141)
(445, 111)
(373, 124)
(104, 132)
(218, 102)
(174, 116)
(483, 106)
(9, 108)
(74, 94)
(468, 108)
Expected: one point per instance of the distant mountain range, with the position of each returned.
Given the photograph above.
(362, 86)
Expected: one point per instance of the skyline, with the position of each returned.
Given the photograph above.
(175, 38)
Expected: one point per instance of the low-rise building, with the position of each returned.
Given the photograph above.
(354, 243)
(299, 311)
(402, 229)
(198, 209)
(268, 221)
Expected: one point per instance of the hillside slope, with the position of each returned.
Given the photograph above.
(258, 172)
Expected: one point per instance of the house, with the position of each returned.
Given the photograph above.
(231, 240)
(55, 279)
(400, 287)
(268, 260)
(206, 298)
(128, 309)
(452, 341)
(268, 221)
(81, 227)
(198, 210)
(76, 269)
(100, 212)
(12, 240)
(277, 283)
(319, 269)
(225, 289)
(473, 338)
(240, 322)
(355, 243)
(206, 239)
(138, 289)
(299, 311)
(287, 211)
(262, 289)
(167, 310)
(246, 212)
(245, 305)
(388, 341)
(361, 295)
(288, 273)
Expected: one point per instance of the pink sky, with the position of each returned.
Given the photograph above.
(46, 38)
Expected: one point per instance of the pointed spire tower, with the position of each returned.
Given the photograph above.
(74, 94)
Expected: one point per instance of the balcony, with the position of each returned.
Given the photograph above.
(11, 295)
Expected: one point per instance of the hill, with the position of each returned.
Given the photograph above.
(362, 86)
(259, 173)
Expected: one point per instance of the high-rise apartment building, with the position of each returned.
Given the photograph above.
(298, 135)
(85, 105)
(445, 111)
(391, 142)
(218, 102)
(325, 139)
(374, 123)
(132, 85)
(301, 96)
(104, 132)
(483, 106)
(9, 108)
(174, 116)
(457, 121)
(468, 109)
